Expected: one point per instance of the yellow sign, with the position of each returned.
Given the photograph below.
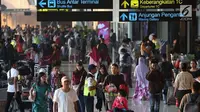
(125, 4)
(134, 3)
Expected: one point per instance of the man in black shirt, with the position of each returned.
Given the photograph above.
(115, 79)
(166, 69)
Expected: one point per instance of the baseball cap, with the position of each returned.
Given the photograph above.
(91, 67)
(65, 78)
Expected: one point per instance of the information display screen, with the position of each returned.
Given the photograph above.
(74, 16)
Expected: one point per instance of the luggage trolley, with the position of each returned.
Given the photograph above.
(37, 67)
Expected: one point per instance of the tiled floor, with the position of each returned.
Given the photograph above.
(144, 106)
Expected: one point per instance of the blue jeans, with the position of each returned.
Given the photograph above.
(81, 102)
(89, 103)
(155, 102)
(50, 105)
(168, 83)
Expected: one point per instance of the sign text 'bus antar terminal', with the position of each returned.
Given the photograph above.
(75, 4)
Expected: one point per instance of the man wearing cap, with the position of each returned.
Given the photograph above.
(90, 88)
(65, 99)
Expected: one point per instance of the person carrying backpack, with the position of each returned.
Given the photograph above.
(191, 102)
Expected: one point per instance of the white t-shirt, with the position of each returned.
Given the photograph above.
(14, 73)
(65, 100)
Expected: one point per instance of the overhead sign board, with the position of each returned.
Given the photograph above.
(74, 16)
(154, 4)
(182, 15)
(75, 4)
(61, 10)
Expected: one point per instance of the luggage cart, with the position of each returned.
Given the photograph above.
(37, 67)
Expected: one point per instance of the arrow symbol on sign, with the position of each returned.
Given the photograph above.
(125, 4)
(123, 17)
(42, 3)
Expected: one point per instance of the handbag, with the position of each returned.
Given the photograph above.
(10, 79)
(76, 87)
(32, 95)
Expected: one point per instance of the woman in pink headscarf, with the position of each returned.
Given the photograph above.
(141, 89)
(94, 56)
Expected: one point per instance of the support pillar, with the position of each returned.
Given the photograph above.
(188, 36)
(130, 29)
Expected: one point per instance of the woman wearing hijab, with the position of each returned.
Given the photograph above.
(141, 89)
(94, 56)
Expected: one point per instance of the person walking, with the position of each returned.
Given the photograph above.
(194, 70)
(183, 83)
(13, 89)
(112, 84)
(94, 57)
(71, 46)
(142, 84)
(103, 52)
(65, 98)
(90, 88)
(100, 93)
(78, 78)
(83, 48)
(166, 69)
(193, 97)
(126, 65)
(156, 84)
(40, 90)
(55, 82)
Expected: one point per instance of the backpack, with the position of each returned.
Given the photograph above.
(72, 43)
(125, 58)
(166, 70)
(191, 105)
(78, 43)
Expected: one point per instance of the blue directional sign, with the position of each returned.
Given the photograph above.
(133, 16)
(123, 17)
(42, 3)
(75, 4)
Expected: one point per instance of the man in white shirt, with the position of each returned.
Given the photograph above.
(65, 99)
(13, 90)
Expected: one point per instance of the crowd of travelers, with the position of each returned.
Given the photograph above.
(157, 78)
